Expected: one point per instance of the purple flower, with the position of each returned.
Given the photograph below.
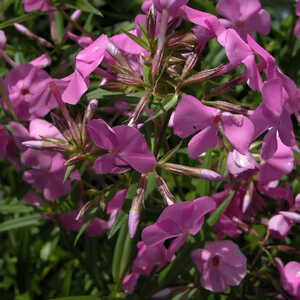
(178, 221)
(221, 265)
(30, 5)
(290, 276)
(127, 147)
(192, 116)
(147, 258)
(244, 16)
(87, 60)
(28, 91)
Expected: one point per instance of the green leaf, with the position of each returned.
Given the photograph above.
(20, 19)
(213, 219)
(68, 172)
(170, 153)
(203, 186)
(137, 40)
(60, 30)
(170, 104)
(119, 247)
(78, 298)
(122, 217)
(88, 219)
(83, 5)
(12, 209)
(31, 220)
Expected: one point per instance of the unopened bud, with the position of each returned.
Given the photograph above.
(134, 213)
(194, 172)
(164, 190)
(22, 29)
(203, 76)
(74, 160)
(139, 109)
(85, 209)
(45, 145)
(70, 121)
(230, 84)
(151, 22)
(248, 197)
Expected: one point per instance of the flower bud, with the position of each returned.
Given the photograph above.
(164, 190)
(85, 209)
(22, 29)
(134, 213)
(203, 76)
(195, 172)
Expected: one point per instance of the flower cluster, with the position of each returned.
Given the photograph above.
(118, 153)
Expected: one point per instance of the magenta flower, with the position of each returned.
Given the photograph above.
(30, 5)
(169, 5)
(273, 115)
(297, 27)
(48, 169)
(147, 258)
(192, 116)
(8, 147)
(239, 164)
(114, 206)
(87, 60)
(244, 16)
(95, 228)
(127, 148)
(281, 162)
(221, 265)
(178, 221)
(2, 40)
(290, 276)
(28, 91)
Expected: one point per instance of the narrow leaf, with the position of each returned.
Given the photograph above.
(137, 40)
(84, 5)
(122, 217)
(20, 19)
(213, 219)
(31, 220)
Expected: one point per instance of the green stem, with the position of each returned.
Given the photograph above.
(7, 101)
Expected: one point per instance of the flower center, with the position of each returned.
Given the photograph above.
(25, 92)
(216, 260)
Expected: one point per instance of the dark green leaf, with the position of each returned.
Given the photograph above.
(213, 219)
(31, 220)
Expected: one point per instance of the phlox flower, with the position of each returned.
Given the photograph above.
(290, 276)
(191, 116)
(28, 91)
(244, 16)
(127, 148)
(178, 221)
(221, 265)
(147, 258)
(30, 5)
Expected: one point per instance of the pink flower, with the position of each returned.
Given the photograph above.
(290, 276)
(273, 115)
(281, 162)
(2, 40)
(297, 27)
(191, 116)
(28, 91)
(178, 221)
(147, 258)
(170, 5)
(8, 147)
(126, 145)
(114, 206)
(244, 16)
(221, 265)
(96, 227)
(30, 5)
